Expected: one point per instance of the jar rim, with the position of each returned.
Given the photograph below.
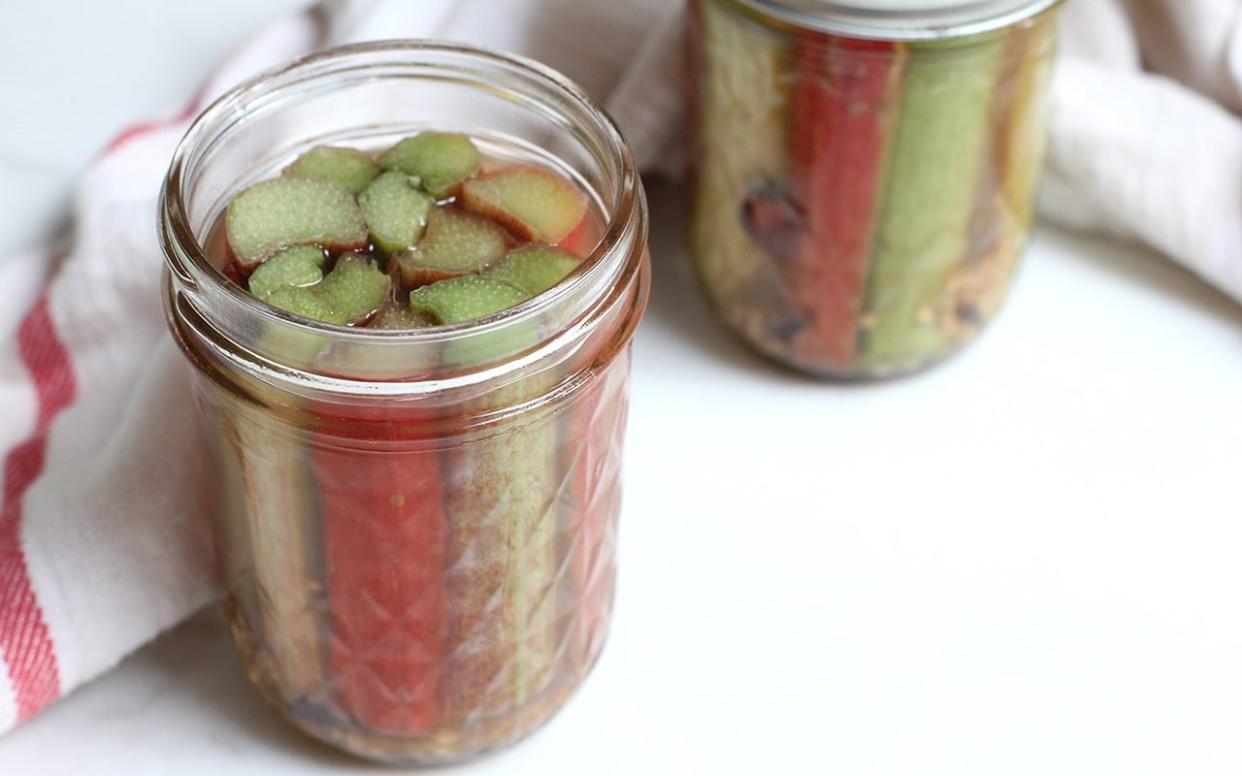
(900, 20)
(188, 260)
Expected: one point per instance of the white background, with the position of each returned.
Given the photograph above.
(1025, 562)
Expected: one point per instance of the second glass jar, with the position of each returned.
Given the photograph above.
(864, 180)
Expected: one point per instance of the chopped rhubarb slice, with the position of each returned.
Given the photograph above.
(396, 211)
(281, 213)
(355, 288)
(302, 301)
(531, 202)
(584, 238)
(399, 317)
(456, 244)
(465, 299)
(351, 294)
(291, 268)
(347, 166)
(441, 160)
(535, 268)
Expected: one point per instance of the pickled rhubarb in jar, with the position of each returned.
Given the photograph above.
(411, 350)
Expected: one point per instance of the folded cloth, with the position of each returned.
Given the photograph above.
(103, 533)
(1146, 137)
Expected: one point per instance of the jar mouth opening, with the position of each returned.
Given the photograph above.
(188, 260)
(900, 20)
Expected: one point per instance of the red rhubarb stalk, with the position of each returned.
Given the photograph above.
(384, 538)
(841, 121)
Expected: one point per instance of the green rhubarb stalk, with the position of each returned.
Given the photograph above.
(500, 501)
(503, 523)
(1019, 115)
(743, 95)
(234, 557)
(273, 532)
(941, 146)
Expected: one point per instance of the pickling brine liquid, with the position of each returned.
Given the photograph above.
(421, 584)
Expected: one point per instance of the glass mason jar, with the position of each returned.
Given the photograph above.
(416, 529)
(865, 171)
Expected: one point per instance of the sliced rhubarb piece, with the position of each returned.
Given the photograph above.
(395, 209)
(465, 299)
(584, 237)
(399, 317)
(281, 213)
(456, 244)
(355, 288)
(351, 293)
(532, 202)
(349, 167)
(442, 161)
(291, 268)
(304, 302)
(534, 268)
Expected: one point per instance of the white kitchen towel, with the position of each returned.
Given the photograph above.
(1146, 136)
(103, 537)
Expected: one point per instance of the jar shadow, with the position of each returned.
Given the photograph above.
(1140, 266)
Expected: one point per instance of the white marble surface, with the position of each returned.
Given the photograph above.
(1022, 563)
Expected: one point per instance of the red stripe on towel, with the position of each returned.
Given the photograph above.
(24, 638)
